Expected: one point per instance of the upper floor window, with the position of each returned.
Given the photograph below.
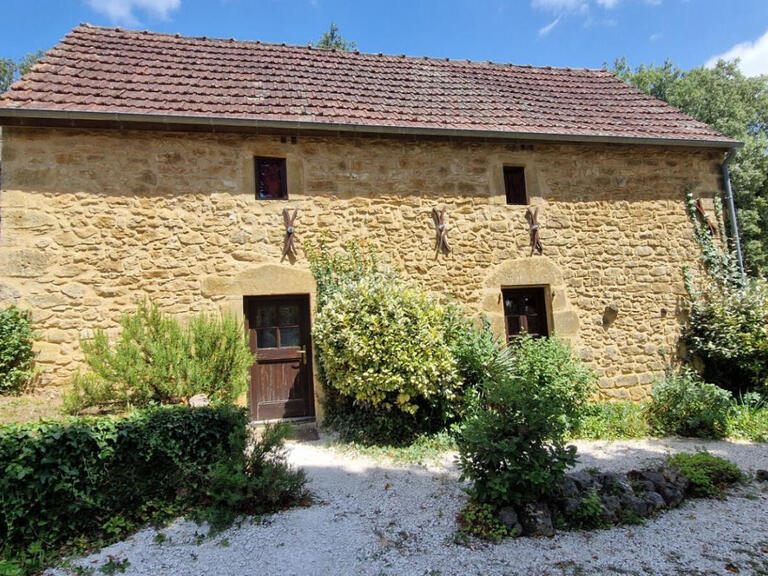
(270, 179)
(514, 185)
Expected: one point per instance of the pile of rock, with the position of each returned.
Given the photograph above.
(614, 498)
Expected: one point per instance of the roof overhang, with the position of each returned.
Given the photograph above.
(129, 121)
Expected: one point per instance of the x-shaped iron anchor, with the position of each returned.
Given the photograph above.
(706, 218)
(533, 223)
(289, 248)
(441, 229)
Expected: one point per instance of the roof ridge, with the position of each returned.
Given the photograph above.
(178, 36)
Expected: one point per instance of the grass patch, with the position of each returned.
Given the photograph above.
(614, 421)
(748, 422)
(425, 448)
(710, 476)
(31, 407)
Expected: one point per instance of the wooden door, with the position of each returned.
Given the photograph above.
(281, 378)
(525, 312)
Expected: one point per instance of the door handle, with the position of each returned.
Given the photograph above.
(303, 353)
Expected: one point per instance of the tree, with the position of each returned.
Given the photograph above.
(332, 40)
(737, 106)
(12, 70)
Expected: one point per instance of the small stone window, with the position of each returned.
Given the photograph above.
(525, 312)
(514, 185)
(270, 179)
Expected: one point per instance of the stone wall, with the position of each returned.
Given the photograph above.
(93, 220)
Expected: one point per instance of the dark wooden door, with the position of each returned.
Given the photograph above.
(525, 312)
(281, 378)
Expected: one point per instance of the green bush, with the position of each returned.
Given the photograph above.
(613, 421)
(90, 478)
(685, 405)
(17, 360)
(709, 475)
(156, 359)
(382, 343)
(726, 333)
(513, 444)
(397, 363)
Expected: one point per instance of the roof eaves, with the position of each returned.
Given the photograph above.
(76, 118)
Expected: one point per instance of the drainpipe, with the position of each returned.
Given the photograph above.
(732, 209)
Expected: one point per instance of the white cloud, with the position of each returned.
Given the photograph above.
(560, 6)
(753, 56)
(608, 3)
(123, 11)
(548, 28)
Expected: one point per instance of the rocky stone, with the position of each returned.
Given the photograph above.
(761, 475)
(654, 501)
(199, 401)
(636, 505)
(611, 507)
(536, 520)
(508, 516)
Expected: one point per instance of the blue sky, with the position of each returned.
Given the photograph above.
(579, 33)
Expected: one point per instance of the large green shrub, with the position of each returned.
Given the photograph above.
(382, 343)
(158, 359)
(685, 405)
(513, 443)
(17, 360)
(396, 362)
(100, 477)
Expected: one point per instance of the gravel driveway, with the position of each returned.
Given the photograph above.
(375, 517)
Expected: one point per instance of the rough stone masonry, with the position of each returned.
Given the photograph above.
(93, 220)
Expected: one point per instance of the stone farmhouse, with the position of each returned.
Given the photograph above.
(195, 171)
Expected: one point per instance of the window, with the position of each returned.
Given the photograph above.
(270, 179)
(277, 326)
(525, 312)
(514, 185)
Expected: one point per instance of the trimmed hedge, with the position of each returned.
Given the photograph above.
(89, 476)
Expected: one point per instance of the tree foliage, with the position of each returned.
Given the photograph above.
(12, 70)
(737, 106)
(333, 40)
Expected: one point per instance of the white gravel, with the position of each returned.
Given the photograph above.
(377, 517)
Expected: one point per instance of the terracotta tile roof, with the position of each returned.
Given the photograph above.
(107, 70)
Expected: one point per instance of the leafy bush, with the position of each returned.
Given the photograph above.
(480, 520)
(709, 475)
(614, 420)
(685, 405)
(727, 334)
(512, 445)
(396, 362)
(157, 359)
(381, 342)
(17, 359)
(100, 477)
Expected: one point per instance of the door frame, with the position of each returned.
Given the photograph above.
(306, 324)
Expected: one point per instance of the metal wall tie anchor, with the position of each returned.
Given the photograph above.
(441, 243)
(706, 218)
(289, 247)
(533, 224)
